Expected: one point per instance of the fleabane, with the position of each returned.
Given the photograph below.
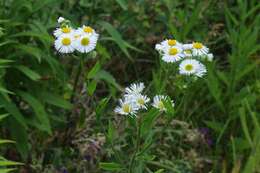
(166, 44)
(126, 107)
(139, 99)
(192, 67)
(66, 30)
(87, 30)
(198, 49)
(158, 102)
(135, 88)
(173, 54)
(64, 43)
(85, 43)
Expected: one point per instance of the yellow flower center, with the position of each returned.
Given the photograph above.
(88, 29)
(171, 42)
(173, 51)
(160, 105)
(66, 30)
(66, 41)
(76, 36)
(197, 45)
(84, 41)
(188, 51)
(140, 101)
(188, 67)
(126, 108)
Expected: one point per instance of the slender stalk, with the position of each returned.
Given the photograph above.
(75, 84)
(70, 119)
(137, 145)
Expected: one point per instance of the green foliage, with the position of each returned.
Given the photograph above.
(59, 108)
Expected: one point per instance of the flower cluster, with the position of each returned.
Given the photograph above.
(134, 100)
(173, 51)
(68, 39)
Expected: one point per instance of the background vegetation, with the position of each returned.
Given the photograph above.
(53, 127)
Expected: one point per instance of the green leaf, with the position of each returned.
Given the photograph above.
(116, 36)
(91, 87)
(122, 3)
(148, 121)
(111, 131)
(6, 61)
(38, 109)
(7, 170)
(6, 141)
(214, 87)
(19, 135)
(244, 125)
(101, 108)
(159, 171)
(10, 107)
(41, 36)
(110, 166)
(9, 163)
(30, 50)
(94, 70)
(106, 76)
(4, 116)
(216, 126)
(4, 90)
(28, 72)
(55, 100)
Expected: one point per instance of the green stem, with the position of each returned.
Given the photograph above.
(75, 84)
(137, 145)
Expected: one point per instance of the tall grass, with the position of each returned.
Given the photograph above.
(47, 111)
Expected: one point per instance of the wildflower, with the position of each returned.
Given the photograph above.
(64, 43)
(173, 54)
(66, 30)
(158, 102)
(86, 30)
(85, 43)
(61, 19)
(135, 88)
(198, 49)
(139, 99)
(159, 48)
(187, 46)
(192, 67)
(126, 107)
(166, 44)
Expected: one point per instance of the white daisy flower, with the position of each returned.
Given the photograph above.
(198, 49)
(61, 19)
(63, 31)
(158, 102)
(140, 100)
(173, 54)
(135, 88)
(192, 67)
(85, 43)
(64, 43)
(86, 30)
(126, 107)
(166, 44)
(187, 46)
(159, 48)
